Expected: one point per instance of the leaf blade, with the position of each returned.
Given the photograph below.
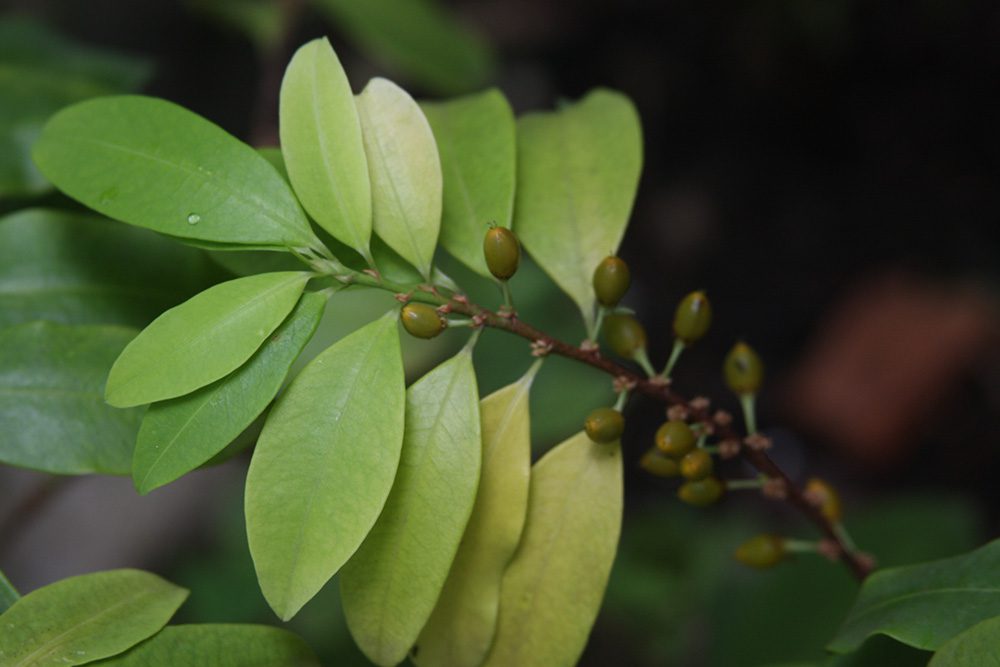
(979, 646)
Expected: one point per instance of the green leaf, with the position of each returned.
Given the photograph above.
(324, 464)
(51, 399)
(577, 174)
(390, 585)
(927, 604)
(461, 628)
(151, 163)
(86, 618)
(979, 646)
(476, 139)
(203, 339)
(218, 645)
(418, 38)
(81, 269)
(8, 594)
(263, 21)
(179, 435)
(322, 147)
(552, 590)
(405, 172)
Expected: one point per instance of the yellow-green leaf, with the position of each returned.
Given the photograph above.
(460, 630)
(390, 585)
(552, 590)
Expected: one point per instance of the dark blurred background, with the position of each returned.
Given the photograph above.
(827, 171)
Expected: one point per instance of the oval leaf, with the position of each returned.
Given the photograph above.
(405, 172)
(577, 174)
(218, 645)
(551, 593)
(86, 618)
(52, 399)
(151, 163)
(390, 585)
(927, 604)
(179, 435)
(324, 464)
(979, 646)
(321, 145)
(476, 140)
(460, 630)
(203, 339)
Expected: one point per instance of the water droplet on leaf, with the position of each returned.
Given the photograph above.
(193, 218)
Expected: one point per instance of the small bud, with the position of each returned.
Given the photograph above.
(502, 252)
(701, 493)
(604, 425)
(675, 438)
(624, 335)
(825, 497)
(692, 317)
(743, 369)
(696, 464)
(656, 463)
(611, 280)
(762, 551)
(421, 320)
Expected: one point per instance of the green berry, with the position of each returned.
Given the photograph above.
(604, 425)
(829, 499)
(692, 317)
(762, 551)
(743, 369)
(421, 320)
(611, 281)
(656, 463)
(675, 438)
(696, 464)
(624, 334)
(702, 492)
(502, 252)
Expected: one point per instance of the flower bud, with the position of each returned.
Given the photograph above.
(604, 425)
(692, 317)
(743, 369)
(611, 281)
(657, 463)
(675, 438)
(826, 497)
(421, 320)
(701, 493)
(762, 551)
(696, 464)
(502, 252)
(624, 334)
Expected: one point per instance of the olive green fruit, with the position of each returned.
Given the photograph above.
(624, 334)
(696, 464)
(656, 463)
(702, 492)
(692, 317)
(604, 425)
(611, 280)
(502, 252)
(675, 438)
(743, 369)
(421, 320)
(828, 497)
(762, 551)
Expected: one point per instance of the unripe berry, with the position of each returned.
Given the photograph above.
(502, 252)
(743, 369)
(421, 320)
(692, 317)
(657, 463)
(762, 551)
(696, 464)
(611, 281)
(702, 492)
(826, 497)
(624, 334)
(604, 425)
(675, 438)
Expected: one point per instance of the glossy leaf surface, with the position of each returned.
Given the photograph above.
(322, 147)
(52, 399)
(476, 141)
(151, 163)
(577, 174)
(179, 435)
(324, 464)
(927, 604)
(81, 619)
(390, 585)
(405, 172)
(552, 590)
(203, 339)
(979, 646)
